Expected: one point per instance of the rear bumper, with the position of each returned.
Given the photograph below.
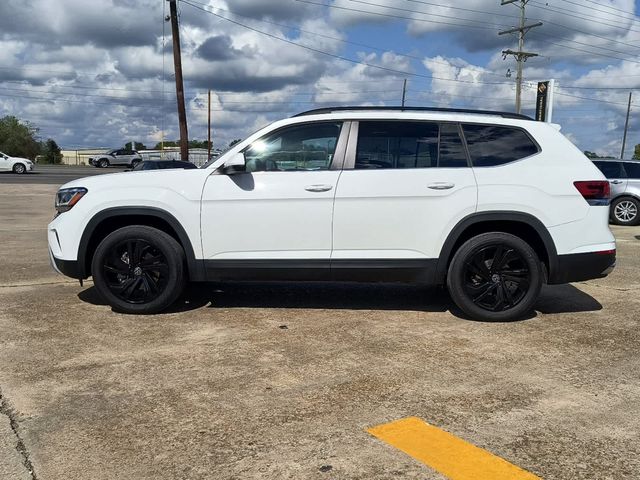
(579, 267)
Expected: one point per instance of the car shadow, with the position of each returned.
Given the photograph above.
(637, 237)
(349, 296)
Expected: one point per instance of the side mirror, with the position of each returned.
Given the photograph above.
(235, 164)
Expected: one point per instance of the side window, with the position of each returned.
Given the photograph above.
(633, 170)
(408, 145)
(611, 169)
(297, 148)
(492, 145)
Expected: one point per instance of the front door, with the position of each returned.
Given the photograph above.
(406, 184)
(5, 164)
(274, 221)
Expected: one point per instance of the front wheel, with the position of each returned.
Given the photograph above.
(495, 277)
(139, 269)
(625, 211)
(19, 168)
(104, 163)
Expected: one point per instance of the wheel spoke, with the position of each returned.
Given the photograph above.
(478, 267)
(118, 270)
(491, 287)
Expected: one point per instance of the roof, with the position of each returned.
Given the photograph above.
(319, 111)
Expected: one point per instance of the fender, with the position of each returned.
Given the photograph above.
(196, 266)
(495, 216)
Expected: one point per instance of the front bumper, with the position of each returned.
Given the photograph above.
(68, 268)
(578, 267)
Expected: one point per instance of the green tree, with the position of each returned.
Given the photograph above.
(234, 142)
(139, 146)
(50, 152)
(167, 144)
(594, 155)
(636, 152)
(17, 138)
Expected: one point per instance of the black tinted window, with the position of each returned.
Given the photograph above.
(491, 145)
(633, 170)
(611, 169)
(408, 145)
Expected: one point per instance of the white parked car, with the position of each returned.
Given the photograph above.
(490, 204)
(15, 164)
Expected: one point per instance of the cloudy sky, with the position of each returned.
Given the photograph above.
(94, 73)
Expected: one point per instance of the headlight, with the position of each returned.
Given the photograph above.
(66, 198)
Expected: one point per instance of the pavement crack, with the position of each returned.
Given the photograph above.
(7, 409)
(37, 284)
(609, 287)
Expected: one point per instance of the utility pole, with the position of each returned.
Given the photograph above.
(177, 64)
(521, 56)
(209, 128)
(626, 127)
(404, 91)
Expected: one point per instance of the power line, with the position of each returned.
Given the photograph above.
(389, 15)
(322, 35)
(544, 40)
(340, 57)
(608, 6)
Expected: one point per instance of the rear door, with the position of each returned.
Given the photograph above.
(616, 176)
(404, 186)
(632, 169)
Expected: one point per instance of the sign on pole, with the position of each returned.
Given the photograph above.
(541, 101)
(544, 101)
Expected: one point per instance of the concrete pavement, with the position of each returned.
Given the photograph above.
(282, 381)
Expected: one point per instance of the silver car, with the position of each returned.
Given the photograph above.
(123, 157)
(624, 177)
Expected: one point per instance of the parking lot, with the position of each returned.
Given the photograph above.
(284, 380)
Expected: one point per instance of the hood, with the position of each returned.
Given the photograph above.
(143, 178)
(21, 159)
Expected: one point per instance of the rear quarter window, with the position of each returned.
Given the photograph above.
(611, 169)
(493, 145)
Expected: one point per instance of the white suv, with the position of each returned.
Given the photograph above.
(490, 204)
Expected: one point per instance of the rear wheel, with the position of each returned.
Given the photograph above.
(625, 211)
(495, 277)
(19, 168)
(104, 163)
(134, 163)
(139, 269)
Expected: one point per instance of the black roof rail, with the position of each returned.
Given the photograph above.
(318, 111)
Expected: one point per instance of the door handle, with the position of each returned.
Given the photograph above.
(318, 188)
(441, 185)
(616, 182)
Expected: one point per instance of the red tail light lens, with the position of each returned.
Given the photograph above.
(595, 192)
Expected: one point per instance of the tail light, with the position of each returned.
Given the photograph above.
(595, 192)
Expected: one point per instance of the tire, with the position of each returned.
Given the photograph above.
(152, 282)
(103, 163)
(19, 168)
(625, 211)
(505, 293)
(134, 164)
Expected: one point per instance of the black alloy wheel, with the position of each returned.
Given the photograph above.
(139, 269)
(136, 271)
(495, 276)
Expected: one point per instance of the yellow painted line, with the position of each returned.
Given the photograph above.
(446, 453)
